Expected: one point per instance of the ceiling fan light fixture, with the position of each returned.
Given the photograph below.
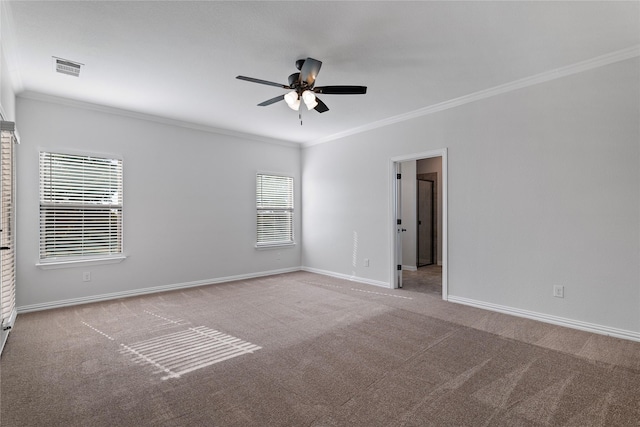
(292, 100)
(309, 99)
(308, 96)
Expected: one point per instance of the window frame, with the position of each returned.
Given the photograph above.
(265, 244)
(54, 262)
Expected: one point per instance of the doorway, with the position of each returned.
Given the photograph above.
(419, 206)
(426, 230)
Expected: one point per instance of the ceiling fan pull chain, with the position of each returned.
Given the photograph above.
(300, 117)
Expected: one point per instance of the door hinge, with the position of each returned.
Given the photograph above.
(399, 267)
(399, 176)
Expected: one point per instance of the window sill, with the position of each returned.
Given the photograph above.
(275, 246)
(50, 265)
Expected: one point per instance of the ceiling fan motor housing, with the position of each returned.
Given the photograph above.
(294, 80)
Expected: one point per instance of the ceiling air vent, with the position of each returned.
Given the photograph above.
(65, 66)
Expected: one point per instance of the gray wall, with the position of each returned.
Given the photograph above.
(189, 203)
(544, 189)
(7, 96)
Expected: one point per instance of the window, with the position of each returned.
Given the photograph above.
(274, 201)
(80, 207)
(8, 311)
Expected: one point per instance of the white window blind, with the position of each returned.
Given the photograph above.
(274, 201)
(80, 206)
(7, 233)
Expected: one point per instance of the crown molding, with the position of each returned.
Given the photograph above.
(590, 64)
(37, 96)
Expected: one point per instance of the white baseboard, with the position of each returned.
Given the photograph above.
(547, 318)
(410, 268)
(143, 291)
(347, 277)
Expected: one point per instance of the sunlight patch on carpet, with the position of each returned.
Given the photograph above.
(98, 331)
(181, 352)
(164, 322)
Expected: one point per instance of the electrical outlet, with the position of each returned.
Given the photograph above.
(366, 262)
(558, 291)
(86, 276)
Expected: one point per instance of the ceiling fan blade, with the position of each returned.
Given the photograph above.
(271, 101)
(309, 71)
(263, 82)
(341, 90)
(321, 107)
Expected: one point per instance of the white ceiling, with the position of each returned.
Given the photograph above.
(178, 59)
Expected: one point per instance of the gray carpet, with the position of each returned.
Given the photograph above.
(427, 279)
(307, 350)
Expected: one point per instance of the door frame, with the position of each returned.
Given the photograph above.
(395, 238)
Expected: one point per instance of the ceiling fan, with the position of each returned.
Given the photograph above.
(303, 87)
